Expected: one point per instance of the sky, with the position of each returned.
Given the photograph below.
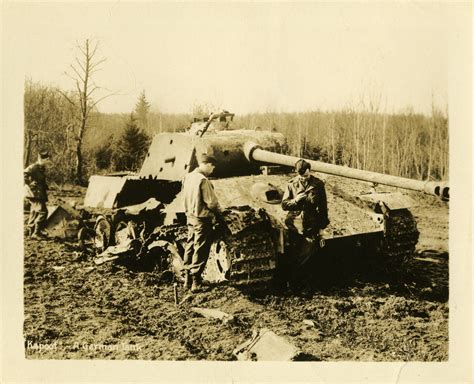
(244, 57)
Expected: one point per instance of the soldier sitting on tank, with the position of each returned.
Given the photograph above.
(306, 203)
(37, 195)
(201, 207)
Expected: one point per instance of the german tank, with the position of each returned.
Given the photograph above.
(250, 176)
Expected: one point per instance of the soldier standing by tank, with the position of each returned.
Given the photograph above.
(201, 207)
(306, 203)
(37, 193)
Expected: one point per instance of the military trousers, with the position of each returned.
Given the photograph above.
(38, 215)
(300, 254)
(198, 245)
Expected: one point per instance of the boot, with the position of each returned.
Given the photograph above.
(196, 285)
(187, 280)
(37, 236)
(38, 232)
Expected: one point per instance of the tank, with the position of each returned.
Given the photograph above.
(252, 242)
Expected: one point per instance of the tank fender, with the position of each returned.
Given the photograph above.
(391, 200)
(102, 191)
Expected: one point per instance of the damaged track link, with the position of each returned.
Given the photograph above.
(245, 258)
(401, 237)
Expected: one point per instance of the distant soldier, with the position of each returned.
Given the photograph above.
(201, 207)
(306, 203)
(36, 192)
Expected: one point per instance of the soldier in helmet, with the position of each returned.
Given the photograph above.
(36, 192)
(306, 203)
(201, 207)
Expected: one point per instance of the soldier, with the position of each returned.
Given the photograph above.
(306, 203)
(36, 192)
(201, 207)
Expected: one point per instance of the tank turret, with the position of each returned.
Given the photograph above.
(172, 155)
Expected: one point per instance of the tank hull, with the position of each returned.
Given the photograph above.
(357, 227)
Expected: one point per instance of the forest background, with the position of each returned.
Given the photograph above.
(362, 136)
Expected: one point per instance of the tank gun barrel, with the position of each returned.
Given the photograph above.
(254, 152)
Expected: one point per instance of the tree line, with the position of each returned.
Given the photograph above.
(403, 144)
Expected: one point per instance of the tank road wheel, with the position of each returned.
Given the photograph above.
(124, 231)
(102, 229)
(85, 235)
(248, 257)
(218, 265)
(164, 256)
(163, 251)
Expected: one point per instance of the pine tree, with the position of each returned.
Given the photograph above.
(141, 110)
(103, 155)
(131, 147)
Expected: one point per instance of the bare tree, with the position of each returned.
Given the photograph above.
(49, 124)
(83, 69)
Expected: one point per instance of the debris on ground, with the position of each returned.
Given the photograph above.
(103, 259)
(214, 314)
(63, 221)
(309, 322)
(115, 251)
(175, 293)
(185, 299)
(266, 345)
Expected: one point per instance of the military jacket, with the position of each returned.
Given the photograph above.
(310, 214)
(200, 200)
(35, 181)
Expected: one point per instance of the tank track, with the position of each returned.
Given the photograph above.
(401, 237)
(172, 232)
(249, 249)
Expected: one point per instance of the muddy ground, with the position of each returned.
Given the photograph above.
(76, 310)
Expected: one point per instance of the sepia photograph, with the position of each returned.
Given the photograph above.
(239, 182)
